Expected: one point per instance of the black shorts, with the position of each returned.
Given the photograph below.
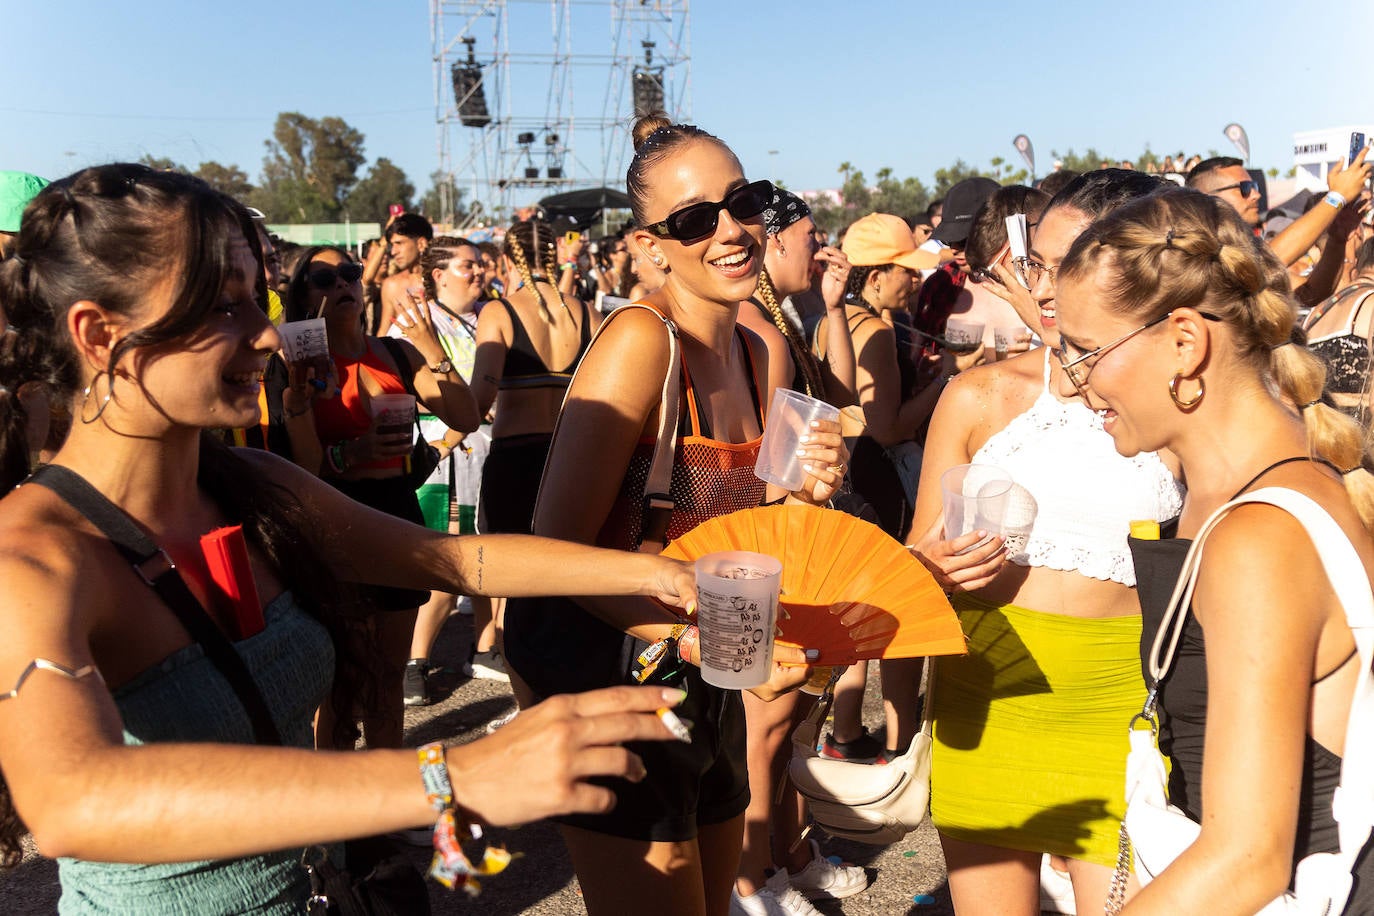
(510, 483)
(393, 496)
(557, 647)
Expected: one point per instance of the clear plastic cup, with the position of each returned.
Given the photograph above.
(393, 413)
(1018, 520)
(304, 341)
(963, 336)
(1003, 339)
(789, 418)
(975, 499)
(737, 610)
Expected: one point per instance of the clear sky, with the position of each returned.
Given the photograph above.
(872, 82)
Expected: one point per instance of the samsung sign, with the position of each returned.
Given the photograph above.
(1308, 149)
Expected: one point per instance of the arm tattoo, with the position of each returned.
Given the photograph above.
(480, 560)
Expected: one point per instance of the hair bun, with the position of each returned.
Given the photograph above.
(647, 125)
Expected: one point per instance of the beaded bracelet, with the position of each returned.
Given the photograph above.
(450, 866)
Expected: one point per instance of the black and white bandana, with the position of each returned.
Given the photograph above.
(784, 210)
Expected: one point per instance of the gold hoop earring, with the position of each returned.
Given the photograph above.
(86, 397)
(1192, 402)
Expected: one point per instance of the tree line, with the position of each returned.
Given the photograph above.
(312, 173)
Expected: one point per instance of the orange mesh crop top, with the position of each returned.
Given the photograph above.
(710, 477)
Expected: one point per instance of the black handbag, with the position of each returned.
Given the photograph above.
(381, 882)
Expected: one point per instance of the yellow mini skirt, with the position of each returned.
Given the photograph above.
(1031, 730)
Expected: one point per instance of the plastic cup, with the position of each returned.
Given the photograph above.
(393, 414)
(789, 418)
(1019, 519)
(737, 609)
(963, 336)
(1003, 339)
(975, 498)
(304, 340)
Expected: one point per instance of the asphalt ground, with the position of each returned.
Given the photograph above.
(905, 878)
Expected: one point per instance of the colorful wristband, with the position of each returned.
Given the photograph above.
(450, 866)
(687, 642)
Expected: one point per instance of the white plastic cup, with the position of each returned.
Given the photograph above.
(737, 610)
(975, 498)
(1018, 520)
(393, 413)
(304, 340)
(789, 418)
(963, 336)
(1003, 339)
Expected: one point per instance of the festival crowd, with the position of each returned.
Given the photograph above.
(246, 484)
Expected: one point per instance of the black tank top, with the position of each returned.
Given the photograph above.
(1183, 710)
(524, 368)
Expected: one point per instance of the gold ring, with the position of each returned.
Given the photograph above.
(836, 468)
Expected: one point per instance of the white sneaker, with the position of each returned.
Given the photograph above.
(775, 898)
(487, 665)
(1056, 890)
(822, 879)
(509, 717)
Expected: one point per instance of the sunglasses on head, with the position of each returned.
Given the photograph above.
(1246, 188)
(700, 220)
(326, 277)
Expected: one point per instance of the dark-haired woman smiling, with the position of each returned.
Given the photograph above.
(675, 840)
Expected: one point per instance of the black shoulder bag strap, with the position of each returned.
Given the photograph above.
(157, 570)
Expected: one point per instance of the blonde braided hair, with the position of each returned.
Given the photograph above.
(801, 354)
(1186, 249)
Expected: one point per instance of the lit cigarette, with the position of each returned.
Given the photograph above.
(675, 725)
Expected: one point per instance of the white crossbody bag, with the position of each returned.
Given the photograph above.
(1159, 832)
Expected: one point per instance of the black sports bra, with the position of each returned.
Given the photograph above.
(525, 368)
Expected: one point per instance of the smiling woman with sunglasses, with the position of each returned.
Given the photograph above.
(1179, 327)
(324, 422)
(673, 841)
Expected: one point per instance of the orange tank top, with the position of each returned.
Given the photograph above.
(710, 477)
(346, 416)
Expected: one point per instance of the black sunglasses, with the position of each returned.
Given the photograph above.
(700, 220)
(326, 277)
(1246, 188)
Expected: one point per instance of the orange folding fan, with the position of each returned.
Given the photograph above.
(848, 590)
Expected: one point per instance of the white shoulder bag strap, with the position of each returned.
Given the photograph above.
(658, 502)
(1353, 804)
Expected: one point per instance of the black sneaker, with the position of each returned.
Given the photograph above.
(416, 682)
(863, 749)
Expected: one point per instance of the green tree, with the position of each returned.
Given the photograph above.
(310, 167)
(443, 202)
(161, 163)
(1090, 160)
(385, 184)
(227, 179)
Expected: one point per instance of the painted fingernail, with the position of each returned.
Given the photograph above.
(691, 608)
(801, 452)
(674, 696)
(806, 438)
(815, 424)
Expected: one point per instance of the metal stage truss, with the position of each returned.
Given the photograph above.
(533, 97)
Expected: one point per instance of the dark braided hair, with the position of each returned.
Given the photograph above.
(532, 249)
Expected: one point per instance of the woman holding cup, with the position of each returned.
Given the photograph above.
(676, 836)
(355, 431)
(1053, 669)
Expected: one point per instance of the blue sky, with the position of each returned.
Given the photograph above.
(881, 83)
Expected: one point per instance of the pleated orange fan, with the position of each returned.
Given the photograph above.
(848, 590)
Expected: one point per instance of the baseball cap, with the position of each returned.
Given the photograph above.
(880, 239)
(16, 190)
(961, 204)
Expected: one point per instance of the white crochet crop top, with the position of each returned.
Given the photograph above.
(1086, 494)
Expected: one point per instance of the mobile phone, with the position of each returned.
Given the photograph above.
(396, 210)
(1356, 144)
(572, 237)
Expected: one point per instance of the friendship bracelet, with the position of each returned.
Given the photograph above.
(450, 866)
(687, 642)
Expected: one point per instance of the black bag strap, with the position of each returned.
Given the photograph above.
(402, 360)
(156, 569)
